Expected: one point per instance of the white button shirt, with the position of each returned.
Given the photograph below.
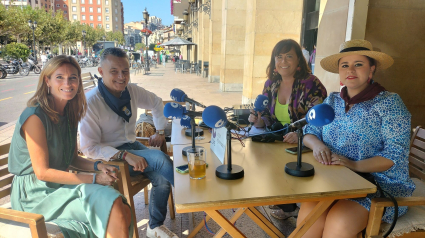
(102, 130)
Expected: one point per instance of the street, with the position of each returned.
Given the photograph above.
(16, 90)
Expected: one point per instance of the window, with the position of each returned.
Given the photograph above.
(82, 1)
(74, 1)
(74, 9)
(99, 18)
(107, 26)
(58, 5)
(91, 18)
(116, 11)
(107, 18)
(116, 27)
(90, 1)
(116, 19)
(98, 10)
(65, 6)
(115, 3)
(91, 24)
(99, 25)
(98, 2)
(107, 10)
(83, 17)
(106, 2)
(90, 9)
(74, 16)
(83, 9)
(65, 12)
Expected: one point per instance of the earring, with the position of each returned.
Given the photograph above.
(299, 68)
(274, 72)
(48, 90)
(340, 83)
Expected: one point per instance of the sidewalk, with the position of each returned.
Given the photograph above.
(161, 81)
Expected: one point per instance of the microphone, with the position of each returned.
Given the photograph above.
(260, 105)
(176, 110)
(319, 115)
(215, 117)
(179, 96)
(185, 122)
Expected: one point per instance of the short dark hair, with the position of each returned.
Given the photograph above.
(284, 46)
(113, 51)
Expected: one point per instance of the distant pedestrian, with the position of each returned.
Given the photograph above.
(312, 59)
(43, 59)
(306, 54)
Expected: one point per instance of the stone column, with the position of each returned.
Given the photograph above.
(215, 42)
(267, 22)
(204, 35)
(232, 45)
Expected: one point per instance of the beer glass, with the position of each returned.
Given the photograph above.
(197, 163)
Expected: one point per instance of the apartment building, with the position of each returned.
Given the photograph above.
(103, 13)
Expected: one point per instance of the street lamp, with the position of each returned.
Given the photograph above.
(146, 17)
(185, 16)
(33, 26)
(84, 36)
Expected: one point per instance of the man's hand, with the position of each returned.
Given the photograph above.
(158, 140)
(139, 163)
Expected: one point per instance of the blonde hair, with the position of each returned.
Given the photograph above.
(76, 107)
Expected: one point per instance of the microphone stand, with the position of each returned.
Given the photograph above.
(299, 169)
(191, 132)
(229, 171)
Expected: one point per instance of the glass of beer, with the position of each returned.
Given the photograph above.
(197, 163)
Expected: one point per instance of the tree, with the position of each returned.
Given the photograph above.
(139, 46)
(17, 50)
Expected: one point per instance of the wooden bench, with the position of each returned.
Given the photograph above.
(407, 225)
(88, 80)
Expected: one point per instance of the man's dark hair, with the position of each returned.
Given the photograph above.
(113, 51)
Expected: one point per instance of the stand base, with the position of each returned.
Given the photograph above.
(198, 132)
(306, 169)
(236, 172)
(190, 149)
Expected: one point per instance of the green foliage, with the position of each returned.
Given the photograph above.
(16, 50)
(152, 46)
(139, 46)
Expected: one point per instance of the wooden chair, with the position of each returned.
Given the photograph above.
(88, 80)
(415, 217)
(16, 223)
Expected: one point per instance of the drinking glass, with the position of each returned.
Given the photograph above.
(197, 163)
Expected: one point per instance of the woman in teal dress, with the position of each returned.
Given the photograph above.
(42, 149)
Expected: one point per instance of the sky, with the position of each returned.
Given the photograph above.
(133, 10)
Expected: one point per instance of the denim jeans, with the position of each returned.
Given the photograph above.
(160, 173)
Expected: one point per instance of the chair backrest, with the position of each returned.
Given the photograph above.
(417, 154)
(5, 177)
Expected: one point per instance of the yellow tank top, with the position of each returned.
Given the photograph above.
(281, 112)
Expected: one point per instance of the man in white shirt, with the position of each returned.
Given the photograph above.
(108, 132)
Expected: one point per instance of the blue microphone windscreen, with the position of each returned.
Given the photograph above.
(320, 115)
(261, 103)
(174, 110)
(185, 121)
(214, 117)
(177, 95)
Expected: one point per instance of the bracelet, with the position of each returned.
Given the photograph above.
(125, 153)
(119, 154)
(95, 165)
(94, 179)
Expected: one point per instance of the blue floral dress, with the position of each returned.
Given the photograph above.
(378, 127)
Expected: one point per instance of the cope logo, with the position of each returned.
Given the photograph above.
(219, 124)
(175, 105)
(312, 114)
(174, 98)
(265, 102)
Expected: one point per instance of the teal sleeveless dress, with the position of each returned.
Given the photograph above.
(79, 210)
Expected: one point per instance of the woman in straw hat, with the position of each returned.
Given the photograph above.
(370, 134)
(291, 90)
(42, 149)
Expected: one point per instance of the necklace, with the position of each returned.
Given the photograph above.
(68, 157)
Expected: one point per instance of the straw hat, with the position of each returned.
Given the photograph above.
(356, 47)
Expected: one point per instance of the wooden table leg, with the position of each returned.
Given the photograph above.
(235, 216)
(225, 224)
(311, 218)
(198, 227)
(263, 222)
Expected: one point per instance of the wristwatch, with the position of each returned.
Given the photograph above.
(161, 132)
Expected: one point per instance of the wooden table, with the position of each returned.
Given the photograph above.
(265, 183)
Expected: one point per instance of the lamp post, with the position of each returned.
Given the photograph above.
(146, 16)
(84, 36)
(33, 26)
